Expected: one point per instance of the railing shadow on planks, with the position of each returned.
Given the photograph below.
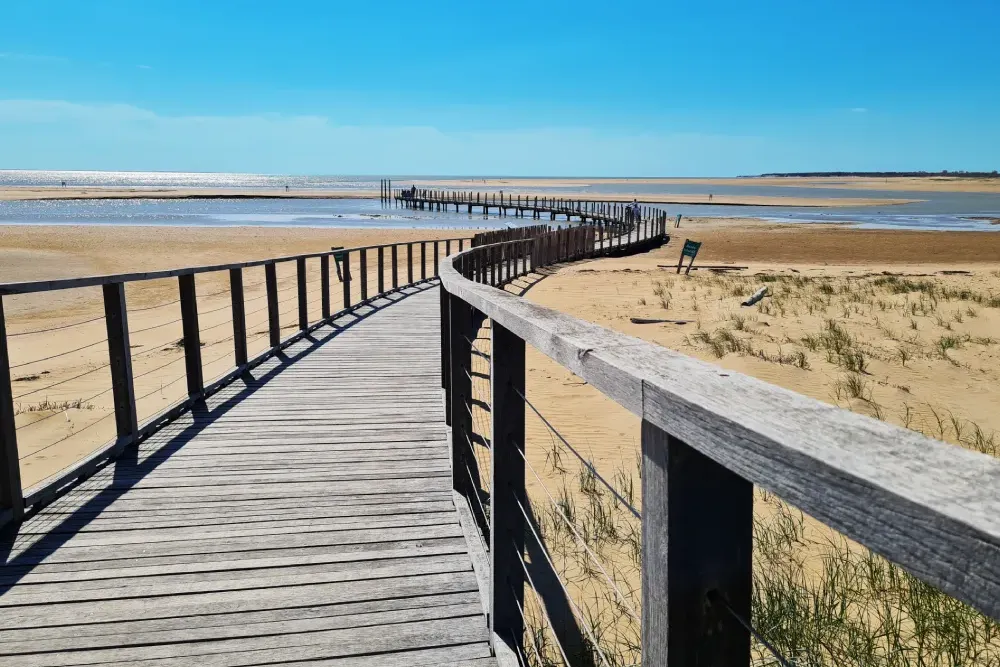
(389, 267)
(708, 435)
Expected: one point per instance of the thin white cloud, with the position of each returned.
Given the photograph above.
(144, 67)
(47, 134)
(859, 110)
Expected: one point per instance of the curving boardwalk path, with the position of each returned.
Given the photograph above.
(303, 515)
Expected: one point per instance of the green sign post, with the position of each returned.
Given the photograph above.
(690, 250)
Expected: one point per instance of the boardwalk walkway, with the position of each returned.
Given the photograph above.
(303, 515)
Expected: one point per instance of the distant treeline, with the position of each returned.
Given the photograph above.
(884, 174)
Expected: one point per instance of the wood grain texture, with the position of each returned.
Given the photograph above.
(931, 507)
(298, 515)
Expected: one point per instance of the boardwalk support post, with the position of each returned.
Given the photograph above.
(239, 317)
(120, 357)
(192, 335)
(11, 496)
(300, 273)
(697, 548)
(507, 488)
(273, 320)
(324, 273)
(460, 333)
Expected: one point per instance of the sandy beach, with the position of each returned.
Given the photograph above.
(58, 398)
(900, 326)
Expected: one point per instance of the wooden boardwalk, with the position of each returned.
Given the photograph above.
(306, 514)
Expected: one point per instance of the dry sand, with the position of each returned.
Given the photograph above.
(70, 394)
(929, 343)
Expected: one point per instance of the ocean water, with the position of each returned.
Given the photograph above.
(936, 211)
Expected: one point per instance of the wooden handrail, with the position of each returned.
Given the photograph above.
(709, 433)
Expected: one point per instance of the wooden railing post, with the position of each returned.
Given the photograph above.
(507, 487)
(192, 335)
(345, 269)
(446, 352)
(324, 279)
(460, 364)
(120, 358)
(435, 260)
(409, 263)
(239, 317)
(423, 260)
(273, 320)
(381, 269)
(11, 494)
(300, 273)
(697, 549)
(395, 267)
(363, 270)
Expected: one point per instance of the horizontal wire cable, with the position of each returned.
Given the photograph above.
(583, 543)
(160, 388)
(67, 437)
(714, 596)
(61, 354)
(156, 326)
(545, 612)
(585, 462)
(57, 328)
(56, 384)
(67, 409)
(524, 619)
(215, 310)
(162, 305)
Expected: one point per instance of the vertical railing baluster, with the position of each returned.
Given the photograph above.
(697, 549)
(507, 488)
(300, 273)
(381, 269)
(446, 352)
(273, 318)
(120, 358)
(324, 279)
(423, 260)
(395, 267)
(409, 263)
(363, 270)
(239, 317)
(435, 260)
(460, 350)
(11, 494)
(345, 265)
(192, 335)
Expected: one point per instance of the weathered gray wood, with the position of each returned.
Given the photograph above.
(239, 317)
(273, 314)
(250, 530)
(697, 551)
(324, 273)
(11, 498)
(363, 270)
(120, 358)
(192, 335)
(303, 299)
(876, 483)
(381, 270)
(346, 278)
(507, 489)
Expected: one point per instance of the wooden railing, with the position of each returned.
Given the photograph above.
(708, 435)
(421, 264)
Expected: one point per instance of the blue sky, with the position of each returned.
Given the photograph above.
(516, 88)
